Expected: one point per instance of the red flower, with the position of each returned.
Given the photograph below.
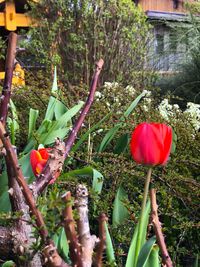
(151, 143)
(38, 159)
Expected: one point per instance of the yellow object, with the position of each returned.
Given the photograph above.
(11, 20)
(18, 76)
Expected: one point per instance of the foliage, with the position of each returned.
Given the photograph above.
(74, 34)
(177, 184)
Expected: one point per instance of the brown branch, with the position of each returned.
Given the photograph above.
(102, 242)
(69, 225)
(158, 231)
(9, 67)
(12, 157)
(70, 140)
(86, 240)
(46, 176)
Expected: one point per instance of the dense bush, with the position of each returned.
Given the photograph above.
(74, 35)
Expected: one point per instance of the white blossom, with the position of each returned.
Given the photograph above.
(193, 111)
(147, 93)
(98, 94)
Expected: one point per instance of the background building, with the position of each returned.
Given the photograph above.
(170, 21)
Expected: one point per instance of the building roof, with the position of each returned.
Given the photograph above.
(170, 16)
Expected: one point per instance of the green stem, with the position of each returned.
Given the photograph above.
(144, 201)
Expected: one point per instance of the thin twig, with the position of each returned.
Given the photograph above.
(72, 237)
(46, 176)
(158, 231)
(72, 137)
(102, 242)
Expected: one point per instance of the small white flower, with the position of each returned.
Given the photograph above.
(99, 131)
(193, 111)
(98, 94)
(147, 93)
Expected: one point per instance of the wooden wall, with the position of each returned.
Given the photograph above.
(162, 5)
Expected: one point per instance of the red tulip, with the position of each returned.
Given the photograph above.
(151, 143)
(38, 159)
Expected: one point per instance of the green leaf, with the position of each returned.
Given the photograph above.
(174, 141)
(153, 259)
(145, 252)
(50, 108)
(3, 182)
(133, 104)
(120, 212)
(63, 246)
(49, 138)
(49, 130)
(112, 132)
(108, 137)
(131, 260)
(13, 123)
(196, 264)
(55, 239)
(66, 117)
(9, 264)
(121, 144)
(97, 177)
(87, 171)
(97, 181)
(54, 88)
(5, 205)
(26, 166)
(33, 115)
(60, 109)
(109, 246)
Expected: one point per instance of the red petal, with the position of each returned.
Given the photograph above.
(35, 158)
(44, 152)
(40, 166)
(151, 143)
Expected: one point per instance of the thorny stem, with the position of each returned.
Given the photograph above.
(144, 201)
(102, 242)
(158, 231)
(46, 175)
(70, 140)
(72, 237)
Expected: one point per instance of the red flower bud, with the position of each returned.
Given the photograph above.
(151, 143)
(38, 159)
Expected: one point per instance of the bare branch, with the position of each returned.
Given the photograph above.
(102, 242)
(86, 240)
(46, 176)
(69, 225)
(158, 231)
